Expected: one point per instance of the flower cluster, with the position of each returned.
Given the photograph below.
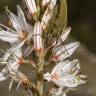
(28, 37)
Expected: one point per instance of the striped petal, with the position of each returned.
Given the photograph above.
(8, 36)
(11, 50)
(65, 33)
(31, 5)
(69, 81)
(45, 19)
(14, 20)
(22, 20)
(63, 37)
(64, 51)
(4, 74)
(37, 39)
(13, 66)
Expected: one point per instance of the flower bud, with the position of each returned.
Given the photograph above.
(37, 38)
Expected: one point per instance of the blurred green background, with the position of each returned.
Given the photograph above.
(82, 19)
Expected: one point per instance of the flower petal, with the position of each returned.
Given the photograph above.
(3, 28)
(9, 52)
(52, 4)
(64, 51)
(8, 36)
(47, 76)
(69, 81)
(27, 51)
(65, 33)
(14, 20)
(13, 66)
(22, 19)
(37, 39)
(4, 74)
(31, 6)
(63, 37)
(30, 32)
(45, 19)
(17, 53)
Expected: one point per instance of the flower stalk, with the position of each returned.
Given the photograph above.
(44, 50)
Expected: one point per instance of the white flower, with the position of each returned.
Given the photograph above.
(65, 74)
(37, 38)
(48, 13)
(20, 24)
(11, 70)
(17, 37)
(31, 5)
(62, 52)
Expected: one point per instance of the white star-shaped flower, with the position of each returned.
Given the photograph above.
(21, 34)
(10, 70)
(61, 51)
(65, 74)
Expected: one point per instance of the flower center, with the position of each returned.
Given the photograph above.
(55, 76)
(23, 35)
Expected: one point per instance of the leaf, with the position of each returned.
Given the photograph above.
(63, 13)
(61, 21)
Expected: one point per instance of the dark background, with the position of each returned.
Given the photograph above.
(82, 19)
